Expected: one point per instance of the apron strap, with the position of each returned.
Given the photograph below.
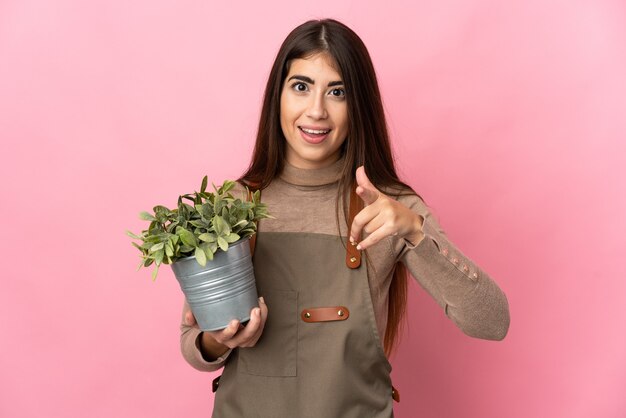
(353, 256)
(395, 394)
(216, 384)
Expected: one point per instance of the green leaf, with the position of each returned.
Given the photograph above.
(232, 238)
(146, 216)
(155, 272)
(247, 232)
(241, 223)
(200, 256)
(207, 237)
(186, 249)
(130, 234)
(158, 257)
(218, 224)
(169, 249)
(153, 238)
(227, 186)
(156, 247)
(188, 197)
(200, 224)
(172, 226)
(160, 209)
(207, 210)
(218, 205)
(206, 247)
(205, 181)
(186, 237)
(222, 243)
(155, 228)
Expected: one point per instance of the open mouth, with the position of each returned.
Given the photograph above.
(314, 131)
(314, 136)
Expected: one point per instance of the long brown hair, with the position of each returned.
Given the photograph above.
(368, 140)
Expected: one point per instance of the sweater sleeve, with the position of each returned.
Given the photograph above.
(190, 347)
(469, 297)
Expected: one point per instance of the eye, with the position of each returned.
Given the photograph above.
(299, 86)
(338, 92)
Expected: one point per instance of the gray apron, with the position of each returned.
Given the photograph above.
(320, 354)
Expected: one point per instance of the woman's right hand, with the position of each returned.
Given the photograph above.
(214, 344)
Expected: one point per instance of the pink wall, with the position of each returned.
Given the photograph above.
(508, 117)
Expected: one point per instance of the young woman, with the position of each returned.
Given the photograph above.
(331, 267)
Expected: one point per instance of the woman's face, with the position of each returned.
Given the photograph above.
(313, 112)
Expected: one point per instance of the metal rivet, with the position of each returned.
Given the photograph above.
(475, 275)
(455, 260)
(465, 268)
(445, 251)
(353, 259)
(340, 312)
(307, 315)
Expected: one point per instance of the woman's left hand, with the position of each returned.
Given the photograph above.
(382, 216)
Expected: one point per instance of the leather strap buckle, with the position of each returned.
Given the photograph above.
(331, 313)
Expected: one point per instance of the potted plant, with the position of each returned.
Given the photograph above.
(206, 241)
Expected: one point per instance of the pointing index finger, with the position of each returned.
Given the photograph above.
(365, 189)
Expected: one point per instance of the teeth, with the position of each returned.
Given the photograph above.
(315, 131)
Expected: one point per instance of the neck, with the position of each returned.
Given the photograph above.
(312, 176)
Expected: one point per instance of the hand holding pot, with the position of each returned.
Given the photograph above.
(214, 344)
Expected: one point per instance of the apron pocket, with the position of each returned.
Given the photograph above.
(275, 354)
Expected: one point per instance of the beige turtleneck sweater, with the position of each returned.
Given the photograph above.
(304, 201)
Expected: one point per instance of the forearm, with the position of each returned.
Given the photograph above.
(210, 349)
(193, 349)
(470, 298)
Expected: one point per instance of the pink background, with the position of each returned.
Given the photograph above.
(508, 117)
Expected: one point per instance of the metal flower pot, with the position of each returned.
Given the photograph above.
(222, 290)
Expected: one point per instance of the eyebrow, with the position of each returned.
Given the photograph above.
(311, 81)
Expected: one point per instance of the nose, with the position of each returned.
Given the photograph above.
(317, 107)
